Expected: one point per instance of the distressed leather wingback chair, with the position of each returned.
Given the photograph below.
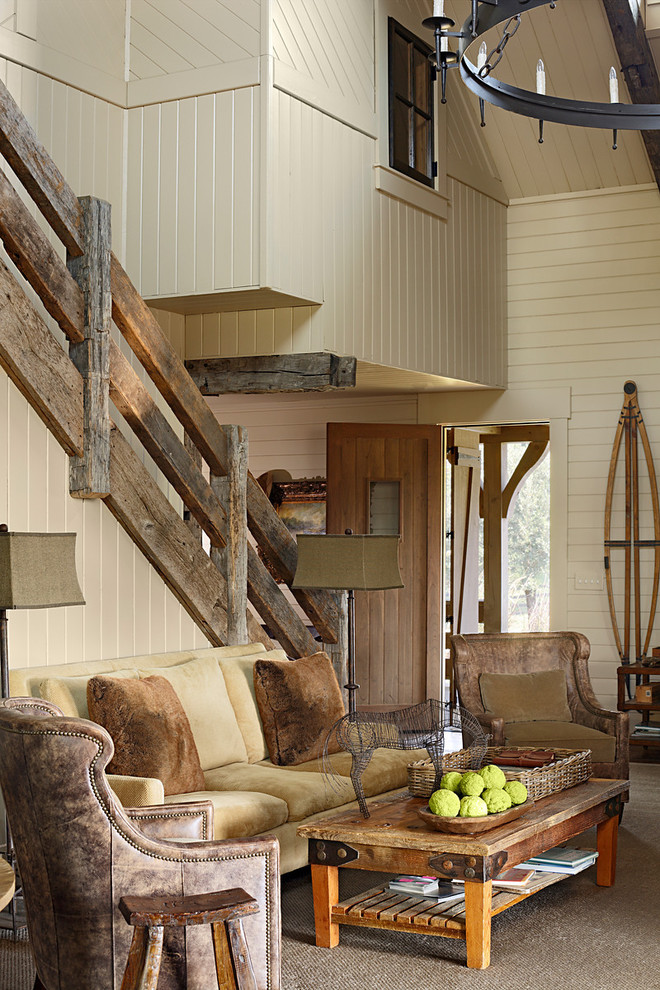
(79, 853)
(539, 709)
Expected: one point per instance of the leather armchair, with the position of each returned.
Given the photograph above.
(517, 653)
(79, 853)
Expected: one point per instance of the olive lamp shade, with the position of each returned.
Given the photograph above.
(353, 562)
(38, 570)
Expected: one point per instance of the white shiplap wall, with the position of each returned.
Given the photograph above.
(288, 432)
(584, 311)
(193, 194)
(129, 610)
(400, 287)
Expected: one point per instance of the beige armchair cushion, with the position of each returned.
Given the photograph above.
(237, 814)
(565, 735)
(201, 689)
(540, 695)
(70, 693)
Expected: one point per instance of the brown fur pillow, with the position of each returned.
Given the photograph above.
(299, 701)
(150, 730)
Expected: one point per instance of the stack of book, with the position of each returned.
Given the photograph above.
(647, 730)
(429, 888)
(561, 859)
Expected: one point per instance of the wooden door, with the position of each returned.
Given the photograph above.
(389, 478)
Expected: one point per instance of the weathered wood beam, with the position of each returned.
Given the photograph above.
(153, 524)
(232, 559)
(177, 464)
(38, 262)
(39, 174)
(141, 330)
(89, 475)
(315, 372)
(637, 65)
(38, 366)
(196, 458)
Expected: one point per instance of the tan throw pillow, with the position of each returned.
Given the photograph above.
(539, 696)
(150, 730)
(238, 673)
(70, 693)
(299, 701)
(201, 689)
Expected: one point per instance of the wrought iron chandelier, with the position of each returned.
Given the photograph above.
(487, 14)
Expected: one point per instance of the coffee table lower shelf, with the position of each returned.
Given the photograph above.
(381, 907)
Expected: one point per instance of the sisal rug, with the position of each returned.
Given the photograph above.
(571, 935)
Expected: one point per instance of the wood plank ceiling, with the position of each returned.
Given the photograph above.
(575, 42)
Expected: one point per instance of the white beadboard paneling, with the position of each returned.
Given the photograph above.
(193, 194)
(400, 286)
(176, 35)
(585, 298)
(128, 605)
(330, 44)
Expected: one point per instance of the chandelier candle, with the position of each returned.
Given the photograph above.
(614, 86)
(438, 8)
(540, 77)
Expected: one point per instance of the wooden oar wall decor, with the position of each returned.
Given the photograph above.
(631, 430)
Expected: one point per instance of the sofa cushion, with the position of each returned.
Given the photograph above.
(540, 695)
(387, 769)
(201, 689)
(237, 814)
(70, 693)
(304, 793)
(566, 735)
(149, 729)
(238, 673)
(299, 702)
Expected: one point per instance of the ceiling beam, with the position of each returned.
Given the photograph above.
(315, 372)
(637, 65)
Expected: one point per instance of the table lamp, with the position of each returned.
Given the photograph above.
(352, 562)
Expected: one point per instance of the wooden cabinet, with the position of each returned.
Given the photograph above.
(637, 703)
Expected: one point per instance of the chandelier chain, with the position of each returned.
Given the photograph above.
(488, 66)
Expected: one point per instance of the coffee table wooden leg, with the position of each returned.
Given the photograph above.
(606, 839)
(325, 891)
(478, 899)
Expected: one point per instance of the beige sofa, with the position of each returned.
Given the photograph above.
(250, 795)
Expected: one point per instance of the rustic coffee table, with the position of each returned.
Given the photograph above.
(395, 840)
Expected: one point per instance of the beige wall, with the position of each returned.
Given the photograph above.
(584, 305)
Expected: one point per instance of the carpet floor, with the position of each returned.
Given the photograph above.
(568, 936)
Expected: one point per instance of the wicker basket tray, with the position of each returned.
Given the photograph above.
(570, 767)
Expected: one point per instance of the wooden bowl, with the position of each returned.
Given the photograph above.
(468, 826)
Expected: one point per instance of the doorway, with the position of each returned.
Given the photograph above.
(498, 510)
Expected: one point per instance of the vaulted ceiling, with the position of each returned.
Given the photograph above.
(577, 47)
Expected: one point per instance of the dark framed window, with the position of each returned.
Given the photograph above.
(411, 104)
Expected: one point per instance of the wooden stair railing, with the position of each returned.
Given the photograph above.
(47, 377)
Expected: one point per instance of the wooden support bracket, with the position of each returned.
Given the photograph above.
(89, 475)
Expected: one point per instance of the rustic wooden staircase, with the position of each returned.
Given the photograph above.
(71, 393)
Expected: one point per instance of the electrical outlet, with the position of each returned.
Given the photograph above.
(588, 579)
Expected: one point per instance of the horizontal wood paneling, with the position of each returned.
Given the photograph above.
(584, 303)
(287, 432)
(193, 194)
(129, 610)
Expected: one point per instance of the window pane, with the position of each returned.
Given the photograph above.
(421, 162)
(401, 66)
(421, 69)
(384, 508)
(401, 122)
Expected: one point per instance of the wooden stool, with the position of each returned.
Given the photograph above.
(223, 910)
